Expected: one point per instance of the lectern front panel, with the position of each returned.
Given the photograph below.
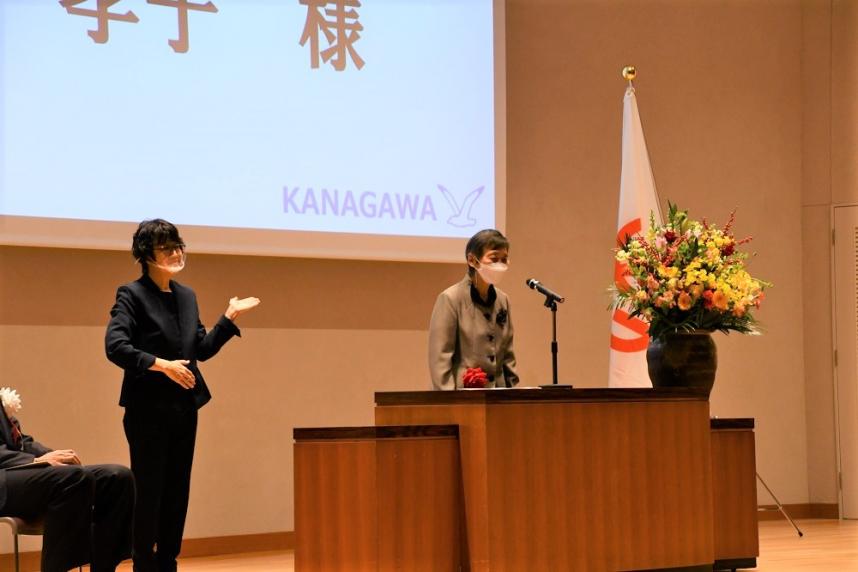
(596, 480)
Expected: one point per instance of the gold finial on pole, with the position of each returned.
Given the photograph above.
(629, 73)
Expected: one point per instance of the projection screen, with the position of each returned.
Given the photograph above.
(368, 129)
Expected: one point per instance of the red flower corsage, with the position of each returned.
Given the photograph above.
(475, 377)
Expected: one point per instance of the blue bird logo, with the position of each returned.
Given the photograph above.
(461, 213)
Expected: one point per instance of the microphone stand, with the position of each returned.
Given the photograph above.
(551, 304)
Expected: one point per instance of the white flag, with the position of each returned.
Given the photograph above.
(638, 198)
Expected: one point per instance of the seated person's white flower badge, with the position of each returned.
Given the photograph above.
(11, 401)
(11, 405)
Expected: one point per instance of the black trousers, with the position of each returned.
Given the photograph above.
(87, 513)
(162, 451)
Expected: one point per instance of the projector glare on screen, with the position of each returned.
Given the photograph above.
(358, 129)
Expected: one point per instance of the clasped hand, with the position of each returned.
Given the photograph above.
(59, 457)
(177, 371)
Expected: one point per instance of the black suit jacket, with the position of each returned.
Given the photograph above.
(142, 327)
(12, 456)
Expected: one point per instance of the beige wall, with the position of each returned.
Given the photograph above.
(817, 145)
(829, 177)
(726, 90)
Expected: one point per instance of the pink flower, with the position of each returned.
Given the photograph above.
(759, 299)
(651, 283)
(665, 300)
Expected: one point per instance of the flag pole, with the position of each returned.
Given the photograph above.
(638, 202)
(629, 74)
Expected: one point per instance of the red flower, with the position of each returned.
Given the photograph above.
(475, 377)
(17, 436)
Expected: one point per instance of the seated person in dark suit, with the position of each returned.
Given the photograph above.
(86, 510)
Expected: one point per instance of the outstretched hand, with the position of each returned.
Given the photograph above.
(238, 306)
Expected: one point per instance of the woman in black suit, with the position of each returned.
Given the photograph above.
(156, 337)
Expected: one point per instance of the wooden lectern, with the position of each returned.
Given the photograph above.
(734, 483)
(377, 498)
(596, 480)
(576, 479)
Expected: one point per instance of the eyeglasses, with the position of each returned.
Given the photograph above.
(169, 248)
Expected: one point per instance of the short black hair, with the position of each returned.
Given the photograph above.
(482, 242)
(151, 234)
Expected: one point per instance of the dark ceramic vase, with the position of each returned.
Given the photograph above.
(686, 359)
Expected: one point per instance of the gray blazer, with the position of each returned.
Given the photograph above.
(464, 333)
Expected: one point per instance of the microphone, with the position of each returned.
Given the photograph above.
(536, 285)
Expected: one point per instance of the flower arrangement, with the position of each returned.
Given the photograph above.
(10, 400)
(688, 275)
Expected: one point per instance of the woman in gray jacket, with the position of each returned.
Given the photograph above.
(471, 326)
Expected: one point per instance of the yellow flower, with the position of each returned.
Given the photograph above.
(668, 271)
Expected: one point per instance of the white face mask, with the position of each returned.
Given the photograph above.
(493, 273)
(172, 268)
